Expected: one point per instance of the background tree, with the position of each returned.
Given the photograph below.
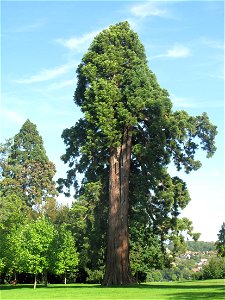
(86, 219)
(129, 131)
(14, 251)
(64, 257)
(13, 214)
(37, 237)
(25, 168)
(215, 269)
(200, 246)
(220, 244)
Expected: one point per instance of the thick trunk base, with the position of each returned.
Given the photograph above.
(118, 279)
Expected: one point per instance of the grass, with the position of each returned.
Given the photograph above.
(208, 289)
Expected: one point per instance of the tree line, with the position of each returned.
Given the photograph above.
(127, 207)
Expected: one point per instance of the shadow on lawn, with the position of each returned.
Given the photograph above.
(179, 286)
(196, 295)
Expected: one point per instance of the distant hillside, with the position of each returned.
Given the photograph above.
(200, 246)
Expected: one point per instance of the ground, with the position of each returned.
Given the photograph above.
(207, 289)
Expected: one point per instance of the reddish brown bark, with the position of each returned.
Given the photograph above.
(117, 264)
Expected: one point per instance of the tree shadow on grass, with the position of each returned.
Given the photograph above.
(195, 295)
(179, 286)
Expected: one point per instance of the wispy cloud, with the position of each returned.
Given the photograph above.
(63, 84)
(78, 43)
(30, 27)
(181, 102)
(178, 51)
(47, 74)
(12, 116)
(216, 44)
(149, 9)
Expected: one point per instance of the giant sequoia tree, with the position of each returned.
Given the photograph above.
(129, 134)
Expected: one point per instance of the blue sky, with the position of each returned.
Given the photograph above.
(43, 42)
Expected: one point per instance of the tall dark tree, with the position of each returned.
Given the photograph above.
(25, 168)
(220, 244)
(128, 132)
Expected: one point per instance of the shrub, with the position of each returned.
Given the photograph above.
(154, 275)
(215, 269)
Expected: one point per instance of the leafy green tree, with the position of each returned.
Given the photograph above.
(220, 244)
(13, 213)
(215, 269)
(64, 257)
(25, 168)
(36, 238)
(129, 133)
(14, 251)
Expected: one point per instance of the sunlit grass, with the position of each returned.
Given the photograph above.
(208, 289)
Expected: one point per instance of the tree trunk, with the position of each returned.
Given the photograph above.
(117, 262)
(35, 281)
(45, 278)
(65, 278)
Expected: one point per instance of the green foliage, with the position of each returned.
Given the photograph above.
(220, 244)
(2, 265)
(38, 247)
(145, 248)
(154, 276)
(200, 246)
(13, 251)
(13, 211)
(37, 237)
(26, 247)
(63, 255)
(215, 269)
(87, 221)
(25, 168)
(95, 276)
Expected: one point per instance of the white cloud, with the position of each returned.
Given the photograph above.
(47, 74)
(148, 9)
(78, 43)
(178, 51)
(12, 116)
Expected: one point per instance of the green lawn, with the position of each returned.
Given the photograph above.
(208, 289)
